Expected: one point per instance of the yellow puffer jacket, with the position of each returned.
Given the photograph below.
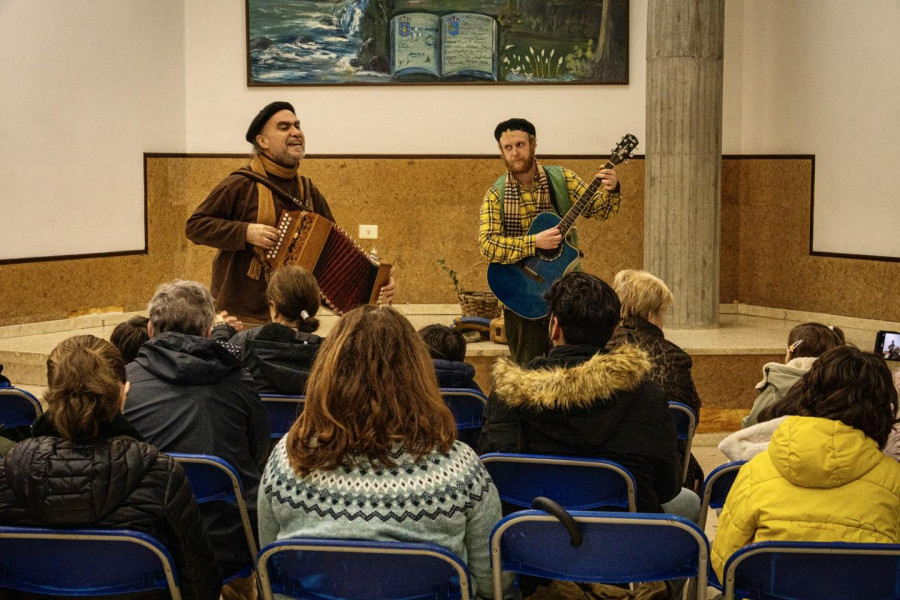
(819, 481)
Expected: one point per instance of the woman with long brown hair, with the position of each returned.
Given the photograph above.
(373, 456)
(87, 467)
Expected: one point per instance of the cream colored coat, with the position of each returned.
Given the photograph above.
(819, 481)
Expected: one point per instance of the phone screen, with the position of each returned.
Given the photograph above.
(887, 343)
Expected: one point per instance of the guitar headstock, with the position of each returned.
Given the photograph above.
(623, 150)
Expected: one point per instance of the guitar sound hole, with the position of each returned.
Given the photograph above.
(548, 255)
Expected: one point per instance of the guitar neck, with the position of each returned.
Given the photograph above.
(579, 207)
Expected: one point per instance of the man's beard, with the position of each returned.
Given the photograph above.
(525, 165)
(286, 158)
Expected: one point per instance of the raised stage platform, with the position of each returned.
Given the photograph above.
(728, 360)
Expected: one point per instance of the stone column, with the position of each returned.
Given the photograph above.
(684, 154)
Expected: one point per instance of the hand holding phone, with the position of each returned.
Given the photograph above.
(887, 344)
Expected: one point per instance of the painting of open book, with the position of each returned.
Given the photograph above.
(402, 42)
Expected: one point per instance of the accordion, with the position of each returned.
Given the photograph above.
(346, 275)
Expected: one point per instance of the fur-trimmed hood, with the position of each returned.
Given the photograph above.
(552, 386)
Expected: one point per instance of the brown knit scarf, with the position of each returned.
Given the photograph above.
(265, 212)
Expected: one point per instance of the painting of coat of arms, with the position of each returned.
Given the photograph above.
(363, 42)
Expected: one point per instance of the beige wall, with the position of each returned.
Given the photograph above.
(427, 209)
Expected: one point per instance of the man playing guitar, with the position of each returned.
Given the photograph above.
(512, 203)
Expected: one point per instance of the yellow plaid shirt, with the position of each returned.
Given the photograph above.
(500, 248)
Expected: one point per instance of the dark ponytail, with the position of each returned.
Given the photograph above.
(294, 293)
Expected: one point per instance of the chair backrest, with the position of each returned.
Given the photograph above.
(361, 570)
(17, 408)
(214, 480)
(615, 548)
(84, 562)
(825, 571)
(282, 412)
(467, 406)
(716, 487)
(573, 483)
(685, 423)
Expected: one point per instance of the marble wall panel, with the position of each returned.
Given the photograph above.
(427, 209)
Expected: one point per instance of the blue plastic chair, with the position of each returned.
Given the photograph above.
(215, 480)
(17, 408)
(814, 570)
(685, 421)
(467, 406)
(573, 483)
(361, 570)
(599, 547)
(716, 487)
(84, 562)
(282, 412)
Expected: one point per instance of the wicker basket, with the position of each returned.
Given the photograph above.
(478, 304)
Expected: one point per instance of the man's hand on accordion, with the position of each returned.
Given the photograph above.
(262, 235)
(386, 295)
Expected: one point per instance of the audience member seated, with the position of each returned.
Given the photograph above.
(583, 400)
(129, 335)
(87, 467)
(5, 442)
(806, 342)
(892, 448)
(748, 442)
(280, 354)
(189, 394)
(447, 348)
(645, 299)
(9, 437)
(823, 477)
(373, 457)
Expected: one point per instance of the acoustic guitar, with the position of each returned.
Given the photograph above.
(520, 286)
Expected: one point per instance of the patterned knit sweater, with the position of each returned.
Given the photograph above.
(446, 499)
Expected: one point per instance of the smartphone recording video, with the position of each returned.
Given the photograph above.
(887, 343)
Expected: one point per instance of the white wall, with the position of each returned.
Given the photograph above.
(86, 86)
(823, 77)
(398, 120)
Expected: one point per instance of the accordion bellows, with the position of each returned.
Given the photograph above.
(346, 275)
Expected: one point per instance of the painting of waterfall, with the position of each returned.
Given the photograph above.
(396, 42)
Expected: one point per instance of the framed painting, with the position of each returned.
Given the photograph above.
(398, 42)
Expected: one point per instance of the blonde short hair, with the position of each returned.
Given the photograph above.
(642, 295)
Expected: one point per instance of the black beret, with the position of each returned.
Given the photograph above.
(513, 125)
(263, 117)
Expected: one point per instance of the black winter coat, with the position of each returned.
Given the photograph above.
(454, 374)
(278, 358)
(671, 371)
(190, 394)
(113, 482)
(582, 401)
